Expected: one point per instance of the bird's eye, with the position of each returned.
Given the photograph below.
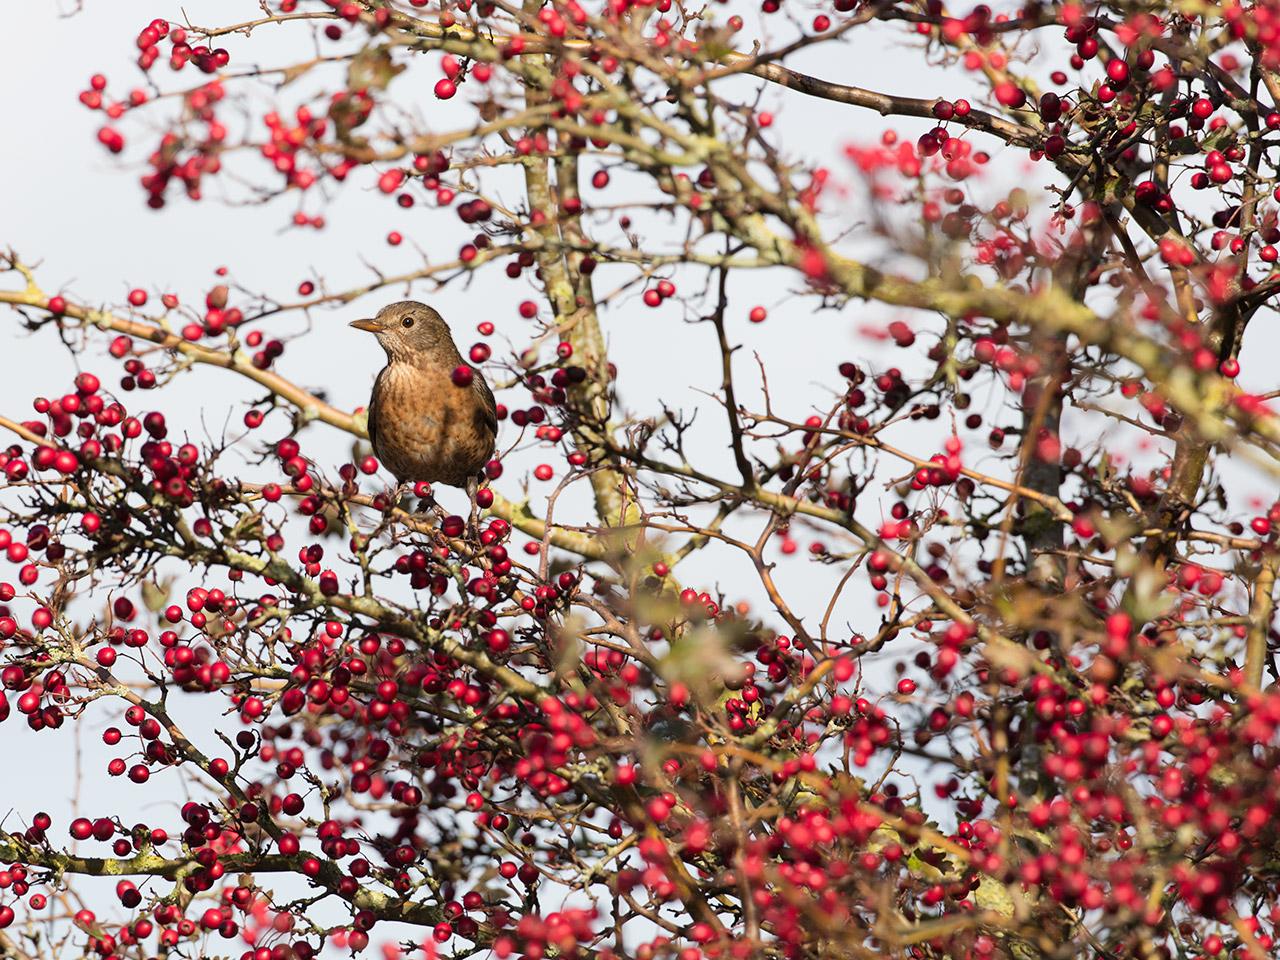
(408, 322)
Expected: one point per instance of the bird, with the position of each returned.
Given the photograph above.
(432, 416)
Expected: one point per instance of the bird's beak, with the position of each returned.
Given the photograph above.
(373, 326)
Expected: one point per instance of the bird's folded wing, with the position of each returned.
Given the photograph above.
(371, 414)
(487, 413)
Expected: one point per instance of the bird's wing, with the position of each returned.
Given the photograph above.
(371, 412)
(487, 412)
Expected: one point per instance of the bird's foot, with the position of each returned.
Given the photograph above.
(390, 499)
(473, 519)
(425, 507)
(399, 497)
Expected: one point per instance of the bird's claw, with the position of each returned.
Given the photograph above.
(473, 526)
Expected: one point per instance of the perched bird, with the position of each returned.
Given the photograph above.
(431, 417)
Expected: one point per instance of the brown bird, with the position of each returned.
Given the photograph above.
(431, 417)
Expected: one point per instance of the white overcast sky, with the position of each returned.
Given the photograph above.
(80, 214)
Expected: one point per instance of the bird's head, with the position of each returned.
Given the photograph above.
(407, 329)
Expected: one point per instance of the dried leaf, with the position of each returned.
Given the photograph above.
(993, 895)
(372, 69)
(155, 594)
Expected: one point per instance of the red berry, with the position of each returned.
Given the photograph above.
(390, 181)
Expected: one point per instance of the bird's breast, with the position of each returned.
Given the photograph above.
(426, 426)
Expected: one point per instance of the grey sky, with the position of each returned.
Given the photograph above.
(80, 213)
